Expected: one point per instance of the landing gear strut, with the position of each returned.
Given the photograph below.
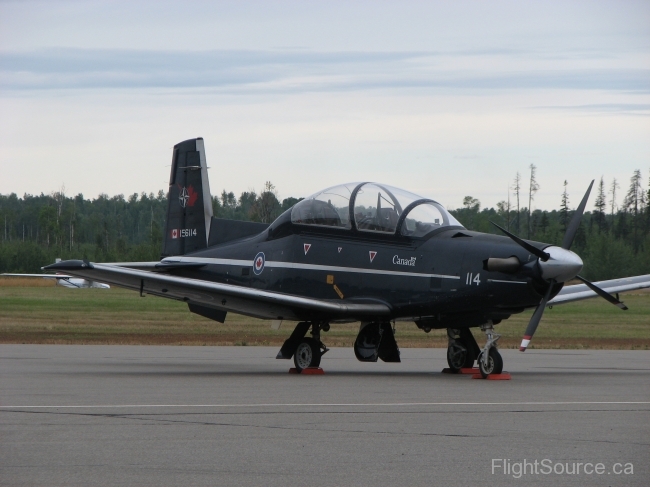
(462, 349)
(306, 351)
(490, 361)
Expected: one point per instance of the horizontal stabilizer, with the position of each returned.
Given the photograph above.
(47, 276)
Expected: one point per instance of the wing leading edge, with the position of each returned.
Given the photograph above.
(225, 297)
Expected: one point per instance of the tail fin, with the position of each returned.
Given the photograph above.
(189, 207)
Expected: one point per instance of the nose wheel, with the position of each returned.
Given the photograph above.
(490, 360)
(493, 364)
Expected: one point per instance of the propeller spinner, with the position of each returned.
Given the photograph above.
(557, 264)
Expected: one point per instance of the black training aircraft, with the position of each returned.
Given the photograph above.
(363, 252)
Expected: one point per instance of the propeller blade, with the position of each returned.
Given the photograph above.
(534, 321)
(533, 250)
(603, 294)
(572, 229)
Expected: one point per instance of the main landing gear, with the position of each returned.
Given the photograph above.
(306, 351)
(462, 349)
(376, 340)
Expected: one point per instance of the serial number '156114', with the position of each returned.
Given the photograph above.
(183, 232)
(188, 232)
(473, 279)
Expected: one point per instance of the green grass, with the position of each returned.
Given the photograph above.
(49, 314)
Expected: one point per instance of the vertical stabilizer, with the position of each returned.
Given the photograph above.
(189, 207)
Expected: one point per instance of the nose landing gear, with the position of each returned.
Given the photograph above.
(490, 360)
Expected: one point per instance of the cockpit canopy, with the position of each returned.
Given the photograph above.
(372, 207)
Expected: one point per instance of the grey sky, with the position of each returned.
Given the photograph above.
(442, 98)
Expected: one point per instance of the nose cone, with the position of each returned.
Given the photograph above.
(562, 265)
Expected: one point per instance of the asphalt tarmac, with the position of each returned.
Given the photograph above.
(163, 416)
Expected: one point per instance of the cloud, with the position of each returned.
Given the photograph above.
(618, 108)
(284, 71)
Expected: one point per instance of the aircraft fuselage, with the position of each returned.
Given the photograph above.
(436, 281)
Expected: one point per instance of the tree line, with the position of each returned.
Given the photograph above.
(613, 240)
(38, 229)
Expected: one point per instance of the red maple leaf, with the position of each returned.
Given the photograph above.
(193, 195)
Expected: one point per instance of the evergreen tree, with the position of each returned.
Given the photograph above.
(647, 210)
(612, 191)
(564, 209)
(600, 205)
(634, 203)
(509, 209)
(543, 224)
(622, 230)
(533, 187)
(517, 188)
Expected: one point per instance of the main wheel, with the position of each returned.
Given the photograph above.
(494, 363)
(456, 356)
(307, 354)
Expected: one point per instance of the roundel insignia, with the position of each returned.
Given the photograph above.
(258, 263)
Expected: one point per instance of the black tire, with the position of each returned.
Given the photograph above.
(494, 365)
(469, 359)
(456, 356)
(307, 354)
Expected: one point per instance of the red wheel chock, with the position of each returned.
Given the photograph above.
(307, 371)
(502, 376)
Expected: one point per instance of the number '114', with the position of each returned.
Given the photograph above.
(471, 279)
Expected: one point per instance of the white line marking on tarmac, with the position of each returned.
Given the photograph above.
(272, 405)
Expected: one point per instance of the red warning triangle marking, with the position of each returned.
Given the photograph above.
(372, 255)
(307, 247)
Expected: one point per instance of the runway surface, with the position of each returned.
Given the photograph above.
(145, 415)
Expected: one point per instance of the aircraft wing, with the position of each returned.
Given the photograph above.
(225, 297)
(581, 291)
